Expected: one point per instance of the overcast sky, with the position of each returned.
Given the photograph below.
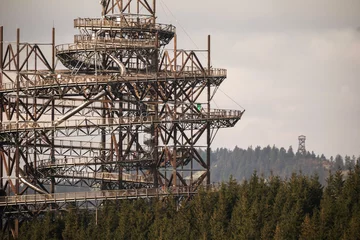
(293, 65)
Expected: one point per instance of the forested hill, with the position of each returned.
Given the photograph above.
(298, 208)
(241, 163)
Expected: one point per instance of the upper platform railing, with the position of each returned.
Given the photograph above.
(103, 44)
(141, 24)
(108, 39)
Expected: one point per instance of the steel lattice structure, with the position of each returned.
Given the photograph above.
(125, 113)
(301, 148)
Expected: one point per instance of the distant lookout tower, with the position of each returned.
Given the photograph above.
(302, 149)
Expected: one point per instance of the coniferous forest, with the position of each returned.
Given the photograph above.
(275, 205)
(241, 163)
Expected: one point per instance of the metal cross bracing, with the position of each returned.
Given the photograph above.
(125, 113)
(301, 148)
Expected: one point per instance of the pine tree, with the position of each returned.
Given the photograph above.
(71, 225)
(308, 231)
(122, 230)
(218, 220)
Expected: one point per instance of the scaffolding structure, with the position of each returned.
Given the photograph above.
(125, 113)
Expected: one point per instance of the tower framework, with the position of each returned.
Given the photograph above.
(125, 113)
(302, 149)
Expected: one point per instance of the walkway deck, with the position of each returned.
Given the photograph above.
(94, 196)
(130, 120)
(66, 79)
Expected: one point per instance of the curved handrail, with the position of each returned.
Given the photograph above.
(129, 23)
(106, 44)
(76, 123)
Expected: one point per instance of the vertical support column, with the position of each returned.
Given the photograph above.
(175, 117)
(120, 143)
(137, 7)
(175, 54)
(1, 55)
(156, 60)
(52, 187)
(1, 103)
(155, 132)
(174, 165)
(174, 180)
(103, 138)
(154, 11)
(27, 104)
(53, 50)
(2, 160)
(208, 135)
(209, 55)
(112, 140)
(192, 144)
(34, 111)
(17, 155)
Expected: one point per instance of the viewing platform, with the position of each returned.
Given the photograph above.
(66, 79)
(130, 24)
(88, 43)
(217, 118)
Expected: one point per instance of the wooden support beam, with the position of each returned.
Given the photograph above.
(208, 132)
(154, 11)
(17, 155)
(175, 54)
(1, 54)
(53, 50)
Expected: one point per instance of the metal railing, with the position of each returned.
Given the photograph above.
(101, 195)
(125, 120)
(97, 45)
(70, 162)
(107, 176)
(120, 23)
(108, 39)
(68, 79)
(98, 160)
(80, 144)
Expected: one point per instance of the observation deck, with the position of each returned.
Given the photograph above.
(64, 78)
(140, 25)
(87, 44)
(219, 119)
